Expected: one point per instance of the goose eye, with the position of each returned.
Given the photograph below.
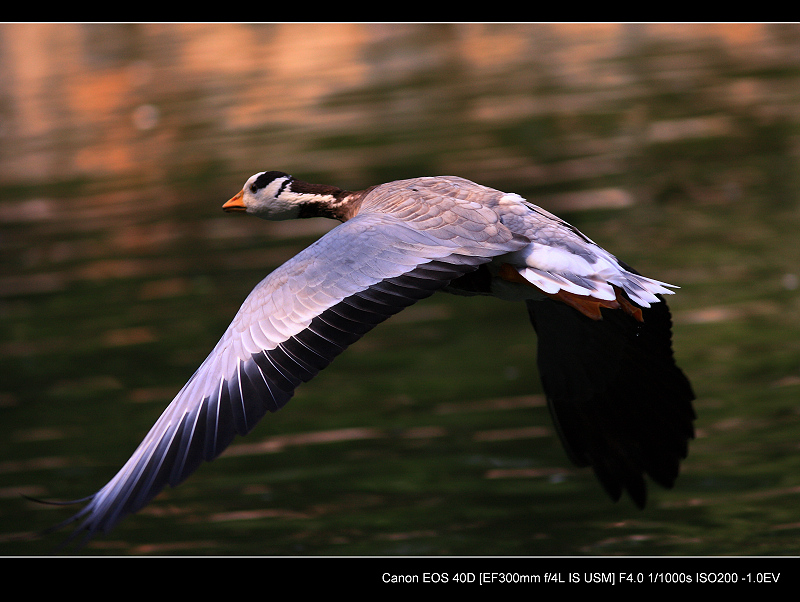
(253, 188)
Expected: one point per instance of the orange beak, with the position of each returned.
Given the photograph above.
(235, 204)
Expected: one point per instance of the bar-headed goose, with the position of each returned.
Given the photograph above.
(619, 402)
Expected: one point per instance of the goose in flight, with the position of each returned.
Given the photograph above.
(619, 402)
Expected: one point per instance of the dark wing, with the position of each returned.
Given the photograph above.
(288, 329)
(619, 402)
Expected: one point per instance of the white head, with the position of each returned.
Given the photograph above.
(268, 195)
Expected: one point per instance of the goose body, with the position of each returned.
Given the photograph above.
(619, 402)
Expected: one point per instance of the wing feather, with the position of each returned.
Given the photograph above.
(288, 329)
(619, 401)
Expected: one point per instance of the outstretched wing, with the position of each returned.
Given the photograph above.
(620, 403)
(288, 329)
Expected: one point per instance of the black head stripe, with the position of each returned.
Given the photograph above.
(286, 182)
(268, 176)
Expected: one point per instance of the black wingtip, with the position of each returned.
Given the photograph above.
(619, 401)
(44, 533)
(57, 502)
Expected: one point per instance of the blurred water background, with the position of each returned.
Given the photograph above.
(676, 147)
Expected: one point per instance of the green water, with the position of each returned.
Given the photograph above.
(111, 301)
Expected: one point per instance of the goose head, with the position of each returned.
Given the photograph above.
(275, 195)
(268, 195)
